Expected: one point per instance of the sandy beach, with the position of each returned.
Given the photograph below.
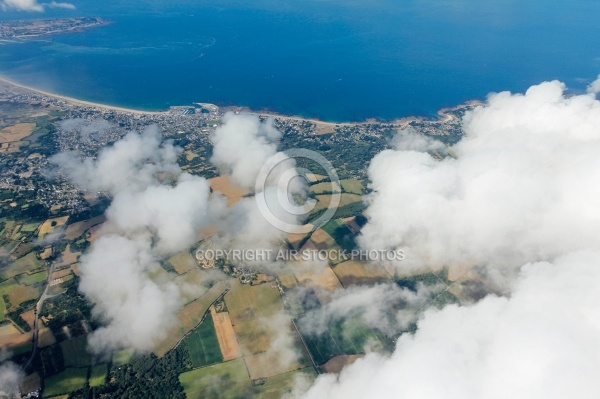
(82, 103)
(321, 127)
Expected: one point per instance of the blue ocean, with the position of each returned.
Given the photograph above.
(337, 60)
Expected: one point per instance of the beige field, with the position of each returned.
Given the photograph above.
(295, 239)
(183, 262)
(60, 273)
(46, 253)
(457, 271)
(94, 233)
(247, 305)
(309, 246)
(288, 280)
(8, 329)
(313, 177)
(189, 155)
(75, 269)
(322, 240)
(351, 224)
(353, 272)
(14, 339)
(17, 132)
(225, 335)
(47, 228)
(262, 278)
(45, 338)
(325, 187)
(224, 185)
(22, 293)
(316, 276)
(67, 257)
(78, 228)
(189, 317)
(352, 186)
(337, 363)
(29, 317)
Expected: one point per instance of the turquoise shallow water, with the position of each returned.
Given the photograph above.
(335, 60)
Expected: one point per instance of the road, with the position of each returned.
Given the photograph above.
(38, 309)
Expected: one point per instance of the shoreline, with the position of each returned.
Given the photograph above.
(323, 127)
(75, 101)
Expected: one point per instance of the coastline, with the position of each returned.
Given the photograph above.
(75, 101)
(322, 127)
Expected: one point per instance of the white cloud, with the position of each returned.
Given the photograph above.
(116, 277)
(539, 343)
(55, 4)
(10, 377)
(385, 307)
(522, 190)
(156, 211)
(131, 163)
(33, 5)
(594, 87)
(242, 145)
(409, 140)
(523, 187)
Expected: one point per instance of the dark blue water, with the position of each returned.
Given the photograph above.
(335, 60)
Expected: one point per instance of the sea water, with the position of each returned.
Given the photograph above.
(343, 60)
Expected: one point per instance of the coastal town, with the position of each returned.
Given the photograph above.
(84, 127)
(29, 29)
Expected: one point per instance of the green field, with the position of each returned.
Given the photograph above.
(203, 345)
(30, 227)
(342, 339)
(29, 279)
(5, 287)
(98, 375)
(350, 205)
(7, 246)
(279, 386)
(224, 380)
(341, 234)
(24, 264)
(67, 381)
(352, 186)
(75, 352)
(119, 358)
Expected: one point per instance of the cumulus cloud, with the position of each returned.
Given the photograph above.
(156, 211)
(117, 276)
(410, 140)
(33, 5)
(131, 163)
(523, 187)
(594, 87)
(520, 201)
(242, 145)
(55, 4)
(385, 307)
(539, 343)
(10, 377)
(85, 128)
